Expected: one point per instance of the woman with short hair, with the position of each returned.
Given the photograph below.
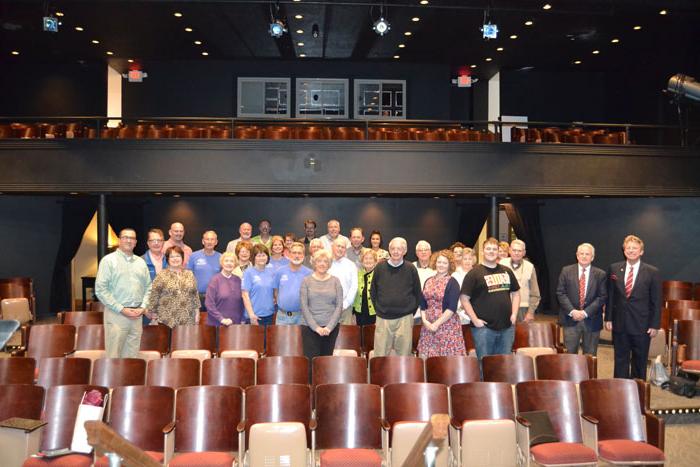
(321, 306)
(174, 299)
(257, 288)
(363, 306)
(277, 258)
(243, 250)
(224, 299)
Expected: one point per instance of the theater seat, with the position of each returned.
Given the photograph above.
(280, 443)
(350, 457)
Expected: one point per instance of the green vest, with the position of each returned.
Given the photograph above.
(357, 306)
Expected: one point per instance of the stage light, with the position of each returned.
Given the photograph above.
(50, 24)
(277, 29)
(381, 26)
(314, 31)
(684, 86)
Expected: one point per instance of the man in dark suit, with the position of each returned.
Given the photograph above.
(582, 292)
(633, 312)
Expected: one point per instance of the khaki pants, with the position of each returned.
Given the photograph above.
(122, 335)
(346, 316)
(396, 334)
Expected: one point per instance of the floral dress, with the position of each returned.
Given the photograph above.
(448, 339)
(174, 299)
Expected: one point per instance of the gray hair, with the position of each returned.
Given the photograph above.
(422, 243)
(400, 241)
(519, 243)
(587, 245)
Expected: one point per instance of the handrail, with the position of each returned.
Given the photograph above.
(104, 439)
(433, 434)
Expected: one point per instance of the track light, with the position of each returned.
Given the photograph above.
(277, 29)
(277, 26)
(314, 31)
(381, 26)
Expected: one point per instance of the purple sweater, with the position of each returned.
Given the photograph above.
(224, 300)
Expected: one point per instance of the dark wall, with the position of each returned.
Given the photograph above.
(53, 90)
(669, 227)
(585, 96)
(208, 88)
(413, 219)
(30, 235)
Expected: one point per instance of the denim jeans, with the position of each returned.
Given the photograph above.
(490, 342)
(284, 318)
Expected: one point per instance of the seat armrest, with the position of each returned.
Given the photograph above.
(386, 426)
(522, 438)
(168, 442)
(169, 427)
(455, 439)
(312, 424)
(68, 354)
(589, 432)
(656, 430)
(680, 356)
(241, 426)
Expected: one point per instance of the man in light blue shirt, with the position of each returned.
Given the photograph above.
(123, 285)
(287, 284)
(204, 264)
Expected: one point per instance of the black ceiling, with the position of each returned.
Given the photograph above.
(448, 32)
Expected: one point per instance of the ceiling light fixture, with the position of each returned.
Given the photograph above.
(15, 52)
(299, 16)
(488, 59)
(596, 52)
(397, 57)
(109, 52)
(401, 46)
(407, 33)
(513, 36)
(302, 55)
(59, 13)
(206, 54)
(131, 60)
(277, 25)
(95, 41)
(300, 44)
(315, 32)
(415, 19)
(188, 29)
(577, 62)
(380, 26)
(547, 6)
(79, 28)
(472, 66)
(424, 2)
(177, 14)
(529, 23)
(299, 31)
(637, 28)
(615, 41)
(489, 29)
(499, 49)
(197, 42)
(663, 12)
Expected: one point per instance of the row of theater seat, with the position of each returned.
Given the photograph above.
(320, 132)
(55, 340)
(182, 369)
(681, 290)
(361, 424)
(569, 136)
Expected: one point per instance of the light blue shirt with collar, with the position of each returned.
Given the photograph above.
(123, 281)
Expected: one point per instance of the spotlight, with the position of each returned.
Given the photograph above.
(50, 24)
(489, 29)
(684, 86)
(314, 31)
(277, 29)
(381, 26)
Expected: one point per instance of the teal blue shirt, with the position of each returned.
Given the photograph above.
(122, 281)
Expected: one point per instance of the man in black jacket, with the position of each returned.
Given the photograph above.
(396, 294)
(633, 313)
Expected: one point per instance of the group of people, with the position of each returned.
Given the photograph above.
(321, 282)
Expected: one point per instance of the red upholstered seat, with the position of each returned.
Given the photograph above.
(563, 454)
(202, 459)
(350, 458)
(103, 462)
(625, 450)
(690, 365)
(71, 460)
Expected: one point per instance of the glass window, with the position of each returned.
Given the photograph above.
(379, 99)
(322, 98)
(263, 97)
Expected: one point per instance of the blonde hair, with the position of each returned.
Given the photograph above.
(228, 254)
(634, 239)
(322, 253)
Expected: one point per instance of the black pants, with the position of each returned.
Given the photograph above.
(317, 346)
(364, 319)
(631, 353)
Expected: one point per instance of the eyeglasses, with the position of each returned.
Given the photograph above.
(155, 240)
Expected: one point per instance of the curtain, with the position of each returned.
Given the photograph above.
(77, 214)
(524, 217)
(127, 213)
(472, 217)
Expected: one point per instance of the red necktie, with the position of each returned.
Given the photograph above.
(582, 289)
(628, 283)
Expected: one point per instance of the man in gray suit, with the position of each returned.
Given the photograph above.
(582, 293)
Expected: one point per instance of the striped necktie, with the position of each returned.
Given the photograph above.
(628, 282)
(582, 288)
